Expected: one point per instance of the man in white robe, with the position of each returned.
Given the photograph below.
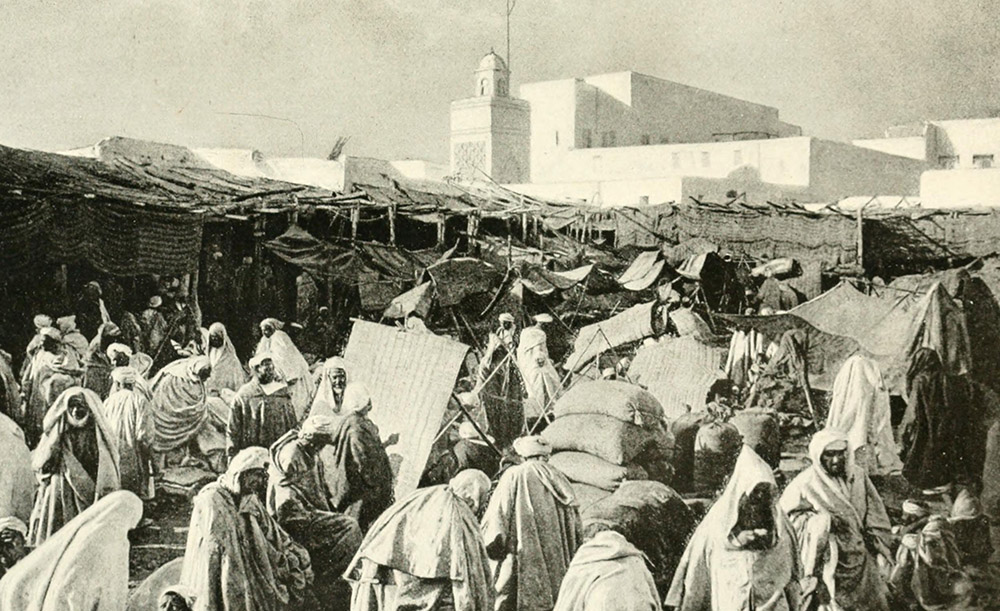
(608, 573)
(532, 528)
(289, 362)
(742, 556)
(541, 381)
(131, 422)
(227, 371)
(859, 408)
(841, 527)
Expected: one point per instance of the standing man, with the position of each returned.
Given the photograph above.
(131, 425)
(261, 410)
(76, 462)
(291, 365)
(742, 555)
(91, 312)
(362, 475)
(842, 527)
(541, 380)
(154, 326)
(531, 528)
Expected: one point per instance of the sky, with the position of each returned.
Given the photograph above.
(382, 72)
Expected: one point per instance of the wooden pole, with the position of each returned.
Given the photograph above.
(392, 224)
(524, 228)
(355, 217)
(440, 229)
(258, 265)
(861, 240)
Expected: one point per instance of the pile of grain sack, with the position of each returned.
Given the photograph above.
(607, 432)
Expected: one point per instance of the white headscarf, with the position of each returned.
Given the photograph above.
(253, 457)
(227, 372)
(859, 407)
(356, 398)
(471, 485)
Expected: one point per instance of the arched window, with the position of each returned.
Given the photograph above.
(501, 88)
(484, 86)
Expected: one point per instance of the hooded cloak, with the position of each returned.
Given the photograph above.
(325, 402)
(541, 381)
(928, 570)
(290, 364)
(179, 403)
(608, 574)
(227, 372)
(430, 542)
(75, 467)
(531, 528)
(928, 427)
(841, 556)
(860, 408)
(131, 424)
(62, 572)
(360, 477)
(717, 573)
(17, 478)
(300, 501)
(237, 557)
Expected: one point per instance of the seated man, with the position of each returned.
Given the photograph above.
(742, 556)
(13, 534)
(608, 572)
(429, 548)
(299, 500)
(841, 525)
(532, 528)
(237, 556)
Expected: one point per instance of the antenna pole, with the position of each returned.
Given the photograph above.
(510, 9)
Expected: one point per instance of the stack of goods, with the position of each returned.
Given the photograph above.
(606, 432)
(761, 431)
(652, 517)
(706, 447)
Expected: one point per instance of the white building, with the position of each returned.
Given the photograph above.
(627, 138)
(962, 155)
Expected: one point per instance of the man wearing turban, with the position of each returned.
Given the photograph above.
(289, 363)
(131, 425)
(261, 410)
(532, 528)
(841, 526)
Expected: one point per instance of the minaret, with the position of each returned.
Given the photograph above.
(490, 132)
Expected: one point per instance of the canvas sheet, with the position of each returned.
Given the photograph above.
(678, 372)
(631, 325)
(410, 377)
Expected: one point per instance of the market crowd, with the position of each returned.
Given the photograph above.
(303, 513)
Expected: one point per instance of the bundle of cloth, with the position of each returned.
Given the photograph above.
(607, 432)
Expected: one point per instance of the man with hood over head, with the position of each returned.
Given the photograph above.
(742, 556)
(227, 372)
(841, 527)
(180, 403)
(429, 548)
(131, 424)
(289, 362)
(237, 557)
(76, 462)
(531, 528)
(299, 500)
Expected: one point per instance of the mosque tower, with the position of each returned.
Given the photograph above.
(491, 132)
